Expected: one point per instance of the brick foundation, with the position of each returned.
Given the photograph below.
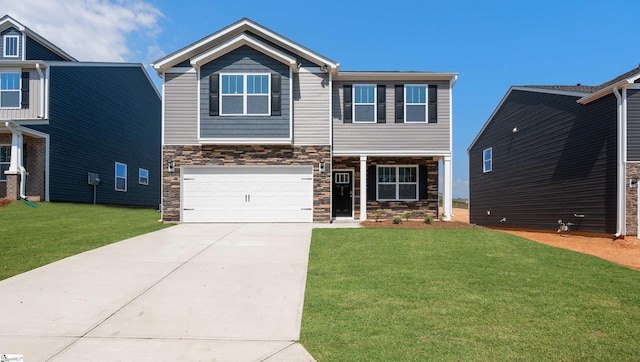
(35, 161)
(249, 155)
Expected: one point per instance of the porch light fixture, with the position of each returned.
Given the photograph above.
(321, 167)
(171, 166)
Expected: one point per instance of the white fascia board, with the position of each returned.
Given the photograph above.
(396, 153)
(23, 64)
(237, 42)
(395, 76)
(552, 91)
(489, 119)
(7, 21)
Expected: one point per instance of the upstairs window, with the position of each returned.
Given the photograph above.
(10, 90)
(364, 103)
(397, 183)
(5, 160)
(487, 156)
(11, 46)
(245, 94)
(121, 177)
(415, 103)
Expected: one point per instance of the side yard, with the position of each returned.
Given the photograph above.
(32, 237)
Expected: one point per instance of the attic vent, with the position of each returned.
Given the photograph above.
(578, 84)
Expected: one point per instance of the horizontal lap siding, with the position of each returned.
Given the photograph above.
(36, 51)
(633, 125)
(391, 136)
(311, 108)
(180, 109)
(560, 162)
(34, 100)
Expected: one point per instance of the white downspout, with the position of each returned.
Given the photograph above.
(41, 113)
(621, 186)
(16, 161)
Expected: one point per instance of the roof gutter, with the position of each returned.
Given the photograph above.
(621, 179)
(604, 91)
(41, 113)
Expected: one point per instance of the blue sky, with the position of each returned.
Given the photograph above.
(491, 44)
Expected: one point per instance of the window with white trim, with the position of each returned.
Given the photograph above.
(397, 183)
(121, 177)
(11, 46)
(143, 176)
(415, 103)
(10, 89)
(245, 94)
(364, 103)
(5, 160)
(487, 160)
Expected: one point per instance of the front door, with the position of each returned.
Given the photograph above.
(343, 194)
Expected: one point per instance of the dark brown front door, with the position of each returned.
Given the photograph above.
(342, 194)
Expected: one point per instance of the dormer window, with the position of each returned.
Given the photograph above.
(11, 46)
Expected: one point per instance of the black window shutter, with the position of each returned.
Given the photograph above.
(433, 104)
(213, 95)
(276, 99)
(24, 104)
(348, 103)
(399, 103)
(371, 183)
(382, 103)
(422, 186)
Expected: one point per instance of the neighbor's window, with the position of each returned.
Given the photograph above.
(5, 160)
(397, 183)
(143, 176)
(364, 103)
(245, 94)
(487, 160)
(11, 45)
(10, 89)
(121, 177)
(415, 105)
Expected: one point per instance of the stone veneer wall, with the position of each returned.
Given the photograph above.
(249, 155)
(389, 209)
(633, 170)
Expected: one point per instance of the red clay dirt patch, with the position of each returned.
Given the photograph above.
(416, 224)
(4, 202)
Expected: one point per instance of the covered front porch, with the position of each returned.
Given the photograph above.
(369, 186)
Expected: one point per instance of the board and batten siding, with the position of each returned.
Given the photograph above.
(34, 100)
(180, 108)
(391, 136)
(561, 161)
(311, 96)
(633, 124)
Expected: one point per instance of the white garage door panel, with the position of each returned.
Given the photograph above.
(247, 194)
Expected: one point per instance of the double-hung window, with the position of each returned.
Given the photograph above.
(121, 177)
(364, 103)
(397, 183)
(415, 103)
(5, 160)
(487, 157)
(10, 46)
(10, 89)
(143, 176)
(245, 94)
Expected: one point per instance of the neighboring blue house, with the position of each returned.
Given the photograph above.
(61, 119)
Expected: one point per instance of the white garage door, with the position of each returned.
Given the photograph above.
(247, 194)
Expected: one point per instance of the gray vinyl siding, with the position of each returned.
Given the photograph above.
(391, 136)
(180, 108)
(34, 100)
(94, 124)
(560, 162)
(633, 124)
(11, 31)
(244, 60)
(311, 97)
(36, 51)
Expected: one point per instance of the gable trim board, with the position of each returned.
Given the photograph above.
(7, 20)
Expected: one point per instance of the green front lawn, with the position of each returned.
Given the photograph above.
(460, 295)
(30, 237)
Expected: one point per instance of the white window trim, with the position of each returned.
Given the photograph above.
(120, 177)
(374, 104)
(484, 160)
(398, 183)
(19, 90)
(3, 178)
(4, 46)
(140, 170)
(426, 103)
(245, 95)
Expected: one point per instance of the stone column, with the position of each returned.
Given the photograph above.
(13, 185)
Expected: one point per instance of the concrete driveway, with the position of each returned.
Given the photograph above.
(192, 292)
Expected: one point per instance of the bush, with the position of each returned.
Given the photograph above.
(377, 215)
(397, 220)
(407, 214)
(428, 219)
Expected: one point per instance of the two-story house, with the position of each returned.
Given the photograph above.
(560, 157)
(258, 128)
(61, 119)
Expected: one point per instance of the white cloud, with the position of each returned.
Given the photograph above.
(91, 30)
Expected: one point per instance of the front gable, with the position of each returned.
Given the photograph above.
(19, 43)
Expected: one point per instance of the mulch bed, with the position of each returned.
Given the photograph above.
(4, 202)
(416, 224)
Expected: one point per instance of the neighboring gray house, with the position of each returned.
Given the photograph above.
(259, 128)
(569, 153)
(61, 119)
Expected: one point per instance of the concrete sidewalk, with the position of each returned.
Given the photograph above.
(192, 292)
